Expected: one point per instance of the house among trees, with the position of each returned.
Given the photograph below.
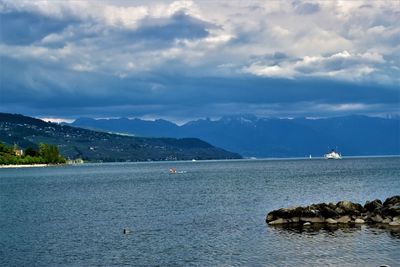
(18, 152)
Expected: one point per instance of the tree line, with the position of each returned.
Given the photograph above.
(45, 154)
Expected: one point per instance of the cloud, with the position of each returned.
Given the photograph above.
(204, 58)
(171, 96)
(178, 26)
(24, 28)
(342, 65)
(305, 8)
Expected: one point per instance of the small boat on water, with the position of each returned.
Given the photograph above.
(333, 155)
(174, 171)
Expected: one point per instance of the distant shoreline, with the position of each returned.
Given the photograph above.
(209, 160)
(27, 166)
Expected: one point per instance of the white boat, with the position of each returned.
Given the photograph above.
(333, 155)
(174, 171)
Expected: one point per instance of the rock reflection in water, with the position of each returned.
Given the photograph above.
(314, 229)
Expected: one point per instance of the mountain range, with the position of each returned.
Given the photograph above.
(252, 136)
(74, 142)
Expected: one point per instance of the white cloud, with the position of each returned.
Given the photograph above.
(269, 71)
(344, 107)
(341, 65)
(57, 120)
(182, 6)
(83, 67)
(350, 40)
(124, 16)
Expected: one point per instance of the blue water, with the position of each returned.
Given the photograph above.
(211, 215)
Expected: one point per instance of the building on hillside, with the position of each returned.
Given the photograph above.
(75, 161)
(19, 152)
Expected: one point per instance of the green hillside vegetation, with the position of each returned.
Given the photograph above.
(46, 154)
(95, 146)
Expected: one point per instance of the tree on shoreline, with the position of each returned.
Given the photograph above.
(50, 153)
(47, 154)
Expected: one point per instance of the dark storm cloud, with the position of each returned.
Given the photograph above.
(178, 26)
(150, 33)
(154, 33)
(174, 96)
(22, 28)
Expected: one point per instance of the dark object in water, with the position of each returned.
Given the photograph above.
(126, 231)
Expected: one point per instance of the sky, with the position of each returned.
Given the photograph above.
(184, 60)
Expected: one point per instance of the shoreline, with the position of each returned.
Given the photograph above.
(182, 161)
(26, 166)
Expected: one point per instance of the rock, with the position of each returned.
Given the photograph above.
(285, 213)
(312, 219)
(391, 210)
(344, 219)
(327, 212)
(331, 205)
(310, 211)
(278, 221)
(330, 221)
(350, 207)
(373, 205)
(343, 212)
(391, 201)
(346, 205)
(396, 223)
(339, 211)
(377, 218)
(270, 217)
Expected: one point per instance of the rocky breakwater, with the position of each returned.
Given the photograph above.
(343, 212)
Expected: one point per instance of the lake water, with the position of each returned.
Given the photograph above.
(211, 215)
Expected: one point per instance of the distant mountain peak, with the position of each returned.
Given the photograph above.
(83, 120)
(242, 118)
